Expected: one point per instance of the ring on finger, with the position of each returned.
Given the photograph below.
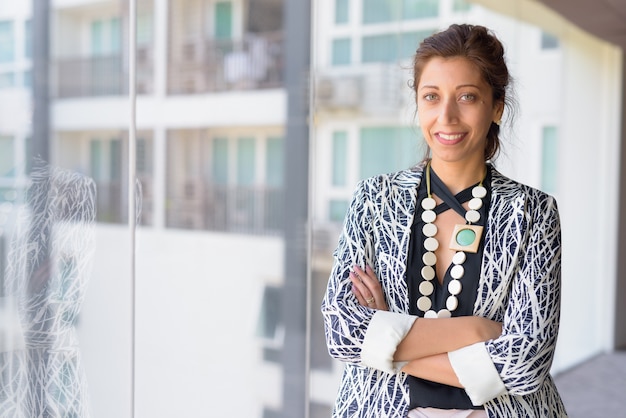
(370, 300)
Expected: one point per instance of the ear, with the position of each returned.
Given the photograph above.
(498, 110)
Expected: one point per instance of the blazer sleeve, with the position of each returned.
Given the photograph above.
(345, 320)
(519, 361)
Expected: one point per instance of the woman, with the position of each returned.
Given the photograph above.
(444, 296)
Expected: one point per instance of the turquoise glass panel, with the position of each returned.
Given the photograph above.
(339, 158)
(220, 160)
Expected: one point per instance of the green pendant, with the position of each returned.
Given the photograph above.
(465, 237)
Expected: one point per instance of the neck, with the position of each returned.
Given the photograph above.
(460, 176)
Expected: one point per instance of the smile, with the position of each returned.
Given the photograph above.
(450, 137)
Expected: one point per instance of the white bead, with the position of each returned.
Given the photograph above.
(457, 271)
(428, 273)
(429, 230)
(430, 314)
(459, 257)
(429, 259)
(429, 203)
(479, 191)
(429, 216)
(426, 288)
(475, 203)
(424, 303)
(444, 313)
(452, 303)
(472, 216)
(431, 244)
(454, 287)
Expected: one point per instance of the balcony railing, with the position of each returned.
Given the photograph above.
(101, 75)
(243, 209)
(209, 65)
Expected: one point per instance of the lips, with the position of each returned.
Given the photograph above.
(449, 139)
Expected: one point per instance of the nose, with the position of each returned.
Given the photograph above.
(449, 112)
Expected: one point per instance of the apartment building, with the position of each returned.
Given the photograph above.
(210, 157)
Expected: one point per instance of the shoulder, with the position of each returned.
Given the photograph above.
(505, 186)
(510, 194)
(390, 183)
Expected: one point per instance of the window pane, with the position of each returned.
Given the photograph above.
(380, 48)
(420, 9)
(549, 41)
(97, 38)
(461, 6)
(378, 11)
(341, 11)
(7, 41)
(549, 159)
(341, 51)
(220, 161)
(245, 161)
(337, 210)
(223, 20)
(340, 158)
(275, 162)
(387, 149)
(28, 39)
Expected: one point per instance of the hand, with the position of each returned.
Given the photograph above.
(367, 289)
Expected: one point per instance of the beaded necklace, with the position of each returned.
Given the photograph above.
(465, 238)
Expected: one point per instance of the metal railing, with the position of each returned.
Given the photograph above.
(105, 75)
(256, 62)
(244, 209)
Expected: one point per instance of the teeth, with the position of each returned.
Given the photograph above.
(451, 137)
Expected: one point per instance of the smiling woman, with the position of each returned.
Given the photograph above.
(463, 329)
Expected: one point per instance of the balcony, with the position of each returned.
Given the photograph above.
(203, 66)
(253, 210)
(105, 75)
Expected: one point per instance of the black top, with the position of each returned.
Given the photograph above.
(425, 393)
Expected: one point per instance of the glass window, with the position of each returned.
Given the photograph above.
(246, 148)
(275, 162)
(549, 41)
(388, 148)
(28, 39)
(461, 6)
(381, 11)
(7, 41)
(549, 159)
(341, 11)
(223, 20)
(144, 29)
(115, 33)
(420, 9)
(337, 210)
(220, 161)
(341, 50)
(7, 156)
(97, 38)
(340, 158)
(391, 47)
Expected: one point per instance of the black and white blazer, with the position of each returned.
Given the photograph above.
(519, 286)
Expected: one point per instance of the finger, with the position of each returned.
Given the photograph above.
(359, 296)
(361, 287)
(369, 279)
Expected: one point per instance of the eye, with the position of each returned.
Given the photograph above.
(468, 97)
(429, 97)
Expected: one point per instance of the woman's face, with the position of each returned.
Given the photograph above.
(455, 109)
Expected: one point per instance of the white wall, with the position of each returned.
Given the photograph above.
(198, 299)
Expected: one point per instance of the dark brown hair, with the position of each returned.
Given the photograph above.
(481, 47)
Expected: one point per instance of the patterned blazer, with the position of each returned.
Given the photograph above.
(519, 286)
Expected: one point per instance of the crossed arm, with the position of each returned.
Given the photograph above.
(425, 347)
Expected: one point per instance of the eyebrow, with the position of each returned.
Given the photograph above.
(428, 86)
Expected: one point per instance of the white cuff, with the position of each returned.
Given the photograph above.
(382, 337)
(477, 373)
